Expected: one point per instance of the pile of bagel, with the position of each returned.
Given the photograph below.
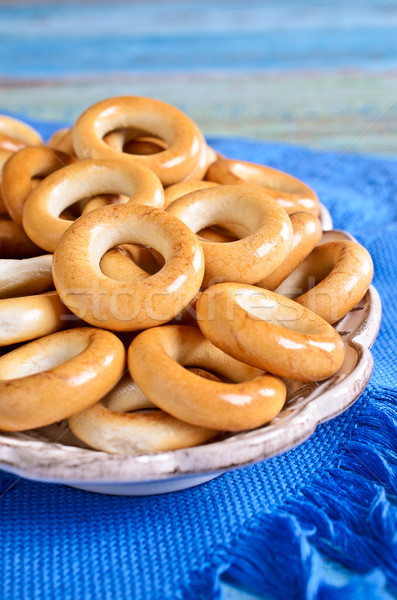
(153, 292)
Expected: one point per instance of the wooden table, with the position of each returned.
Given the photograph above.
(299, 71)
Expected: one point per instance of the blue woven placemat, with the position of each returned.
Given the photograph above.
(275, 526)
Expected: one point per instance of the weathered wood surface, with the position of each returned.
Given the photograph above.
(301, 71)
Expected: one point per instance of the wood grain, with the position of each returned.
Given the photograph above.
(297, 70)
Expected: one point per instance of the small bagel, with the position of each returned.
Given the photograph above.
(26, 276)
(292, 194)
(81, 180)
(254, 256)
(14, 243)
(307, 233)
(20, 173)
(182, 136)
(20, 131)
(338, 273)
(119, 305)
(173, 192)
(29, 317)
(56, 376)
(112, 426)
(155, 360)
(62, 140)
(269, 331)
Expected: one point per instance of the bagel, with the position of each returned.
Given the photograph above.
(183, 138)
(292, 194)
(307, 233)
(118, 424)
(338, 273)
(266, 228)
(131, 305)
(269, 331)
(80, 180)
(26, 276)
(56, 376)
(156, 360)
(20, 173)
(29, 317)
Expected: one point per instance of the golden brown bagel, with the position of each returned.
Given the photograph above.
(156, 361)
(20, 173)
(119, 305)
(269, 331)
(26, 276)
(338, 275)
(118, 424)
(307, 233)
(291, 193)
(29, 317)
(54, 377)
(265, 226)
(182, 136)
(80, 180)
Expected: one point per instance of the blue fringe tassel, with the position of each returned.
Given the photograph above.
(348, 515)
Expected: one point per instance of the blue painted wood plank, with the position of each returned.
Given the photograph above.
(68, 40)
(70, 55)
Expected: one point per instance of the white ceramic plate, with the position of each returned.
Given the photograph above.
(52, 454)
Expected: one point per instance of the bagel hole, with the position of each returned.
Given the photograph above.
(121, 262)
(135, 141)
(85, 205)
(44, 358)
(306, 276)
(216, 235)
(208, 374)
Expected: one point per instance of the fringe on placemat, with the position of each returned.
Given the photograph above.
(348, 515)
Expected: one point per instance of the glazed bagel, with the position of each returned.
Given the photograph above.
(54, 377)
(112, 425)
(19, 131)
(338, 273)
(307, 233)
(26, 276)
(173, 192)
(183, 138)
(269, 331)
(14, 243)
(156, 360)
(126, 306)
(62, 140)
(81, 180)
(267, 229)
(29, 317)
(291, 193)
(20, 173)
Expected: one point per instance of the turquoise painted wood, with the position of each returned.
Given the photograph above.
(300, 71)
(54, 40)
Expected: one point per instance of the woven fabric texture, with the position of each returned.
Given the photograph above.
(57, 542)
